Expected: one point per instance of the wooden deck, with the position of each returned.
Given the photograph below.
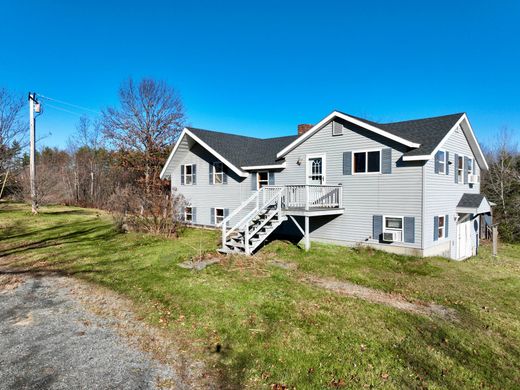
(313, 211)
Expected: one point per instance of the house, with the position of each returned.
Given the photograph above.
(408, 187)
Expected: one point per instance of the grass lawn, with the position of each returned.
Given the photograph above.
(260, 325)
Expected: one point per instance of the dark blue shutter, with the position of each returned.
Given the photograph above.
(377, 227)
(435, 228)
(212, 216)
(194, 215)
(224, 174)
(409, 229)
(347, 163)
(466, 170)
(437, 161)
(194, 174)
(182, 174)
(226, 214)
(446, 225)
(386, 166)
(456, 168)
(271, 178)
(447, 164)
(210, 177)
(253, 181)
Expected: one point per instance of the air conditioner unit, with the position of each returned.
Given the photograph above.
(391, 236)
(473, 179)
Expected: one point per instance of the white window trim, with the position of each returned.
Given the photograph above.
(258, 179)
(444, 162)
(214, 174)
(460, 177)
(215, 215)
(385, 229)
(366, 163)
(439, 237)
(191, 174)
(186, 214)
(323, 167)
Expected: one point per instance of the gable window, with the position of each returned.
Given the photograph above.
(367, 161)
(218, 172)
(442, 162)
(188, 214)
(460, 169)
(470, 166)
(442, 225)
(394, 225)
(188, 174)
(219, 215)
(262, 179)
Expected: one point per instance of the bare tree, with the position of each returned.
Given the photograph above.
(11, 128)
(148, 121)
(501, 183)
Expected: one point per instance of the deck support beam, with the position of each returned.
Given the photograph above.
(307, 235)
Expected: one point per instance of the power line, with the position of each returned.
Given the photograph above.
(63, 109)
(70, 104)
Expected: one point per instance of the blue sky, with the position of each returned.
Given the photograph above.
(260, 68)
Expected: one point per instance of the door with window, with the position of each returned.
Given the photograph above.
(316, 170)
(464, 242)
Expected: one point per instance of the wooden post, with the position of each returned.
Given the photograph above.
(495, 240)
(307, 237)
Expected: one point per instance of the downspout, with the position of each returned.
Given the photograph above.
(423, 206)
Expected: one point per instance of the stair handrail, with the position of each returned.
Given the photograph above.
(223, 224)
(278, 195)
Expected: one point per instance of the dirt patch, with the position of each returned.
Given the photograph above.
(9, 283)
(283, 265)
(377, 296)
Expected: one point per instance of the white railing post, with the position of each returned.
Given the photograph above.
(246, 240)
(224, 234)
(307, 189)
(340, 203)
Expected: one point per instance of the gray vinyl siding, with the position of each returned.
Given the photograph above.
(395, 194)
(443, 194)
(204, 195)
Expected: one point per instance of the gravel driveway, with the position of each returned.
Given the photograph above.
(50, 340)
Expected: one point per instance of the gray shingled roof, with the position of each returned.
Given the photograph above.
(471, 200)
(428, 132)
(241, 150)
(246, 151)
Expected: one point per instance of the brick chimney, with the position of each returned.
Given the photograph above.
(303, 128)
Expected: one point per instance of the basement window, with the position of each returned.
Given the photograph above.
(442, 224)
(219, 216)
(188, 214)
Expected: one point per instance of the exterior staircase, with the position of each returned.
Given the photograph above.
(257, 224)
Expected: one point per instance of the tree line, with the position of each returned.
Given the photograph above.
(113, 162)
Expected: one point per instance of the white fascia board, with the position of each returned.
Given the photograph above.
(185, 132)
(170, 157)
(336, 114)
(479, 155)
(257, 167)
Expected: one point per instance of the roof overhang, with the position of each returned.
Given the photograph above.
(472, 140)
(483, 208)
(187, 133)
(360, 123)
(259, 167)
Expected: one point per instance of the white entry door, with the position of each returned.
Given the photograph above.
(316, 169)
(464, 242)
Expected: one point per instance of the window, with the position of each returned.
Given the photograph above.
(188, 214)
(219, 216)
(442, 225)
(367, 162)
(394, 224)
(460, 169)
(188, 174)
(263, 179)
(218, 173)
(442, 162)
(470, 166)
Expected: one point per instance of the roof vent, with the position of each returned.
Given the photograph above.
(303, 128)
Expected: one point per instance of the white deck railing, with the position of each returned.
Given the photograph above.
(312, 196)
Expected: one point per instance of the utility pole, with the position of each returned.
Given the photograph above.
(34, 106)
